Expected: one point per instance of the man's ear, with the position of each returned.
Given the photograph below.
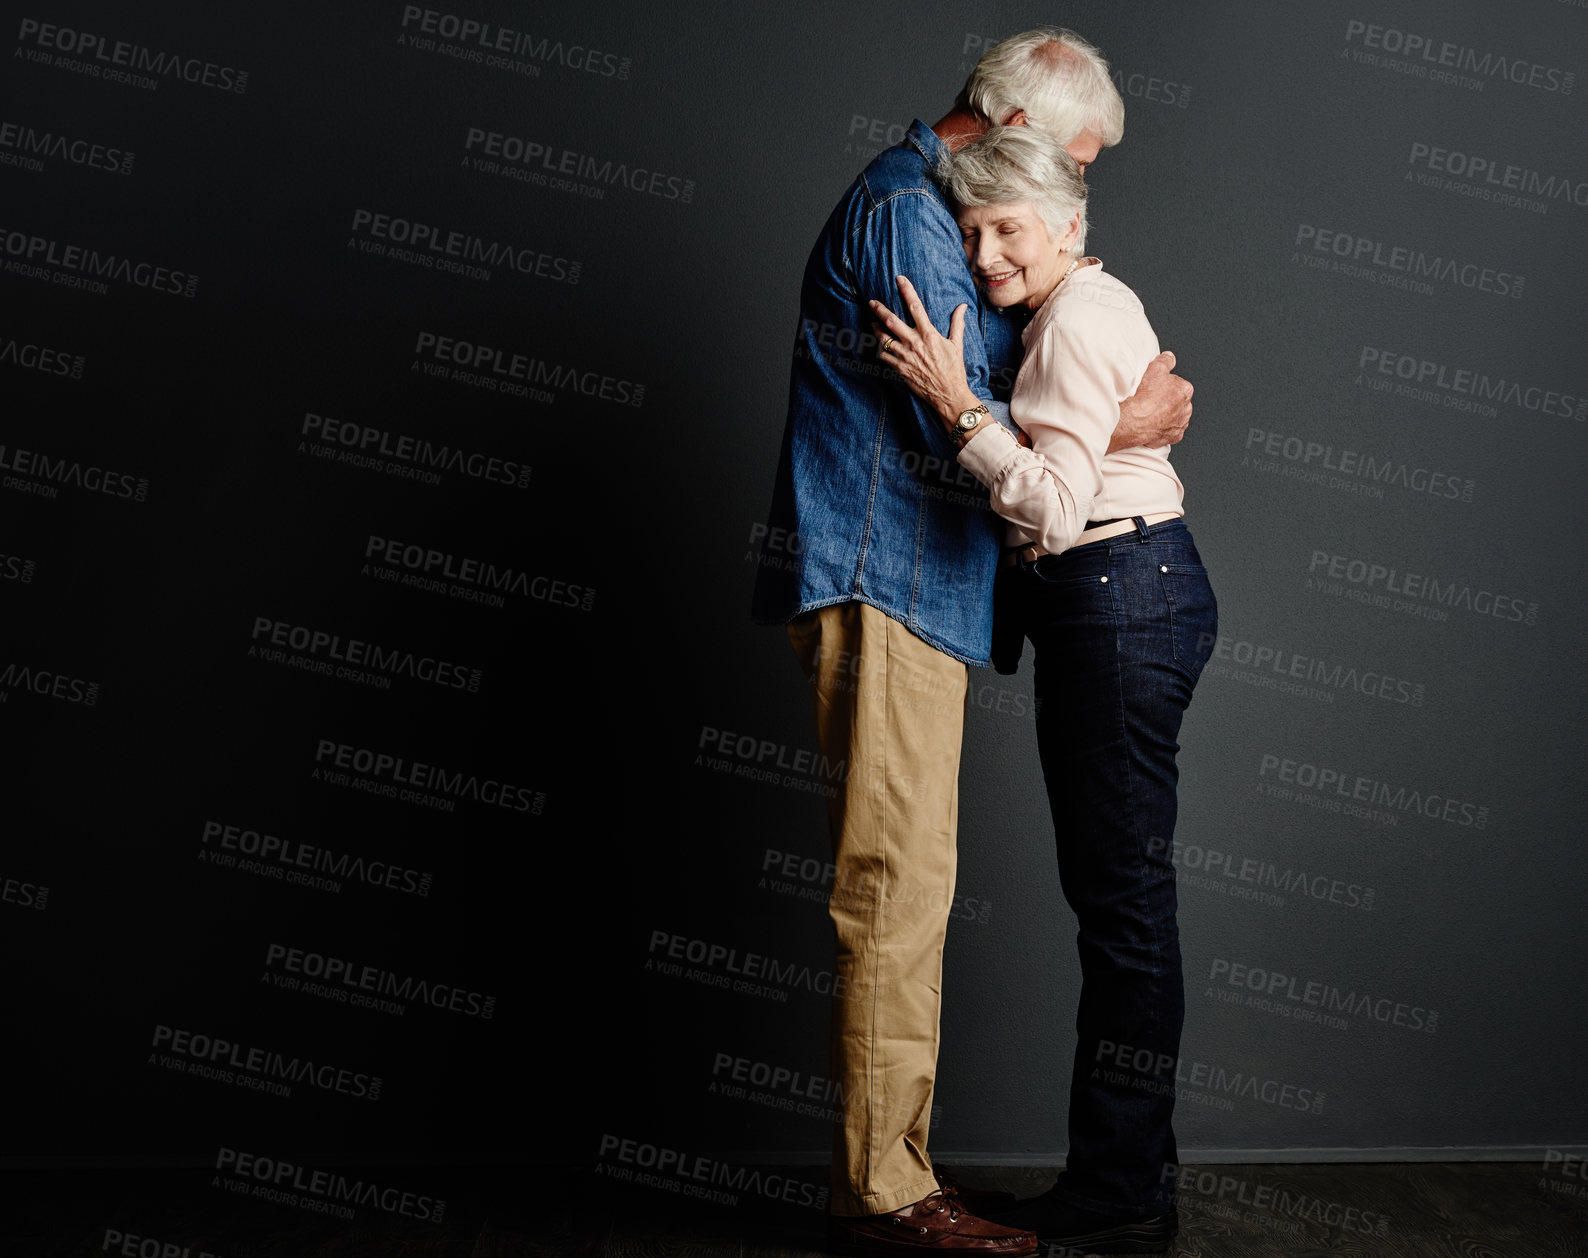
(1017, 119)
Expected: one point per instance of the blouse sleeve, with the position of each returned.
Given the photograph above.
(1067, 398)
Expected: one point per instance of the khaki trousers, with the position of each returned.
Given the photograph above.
(894, 709)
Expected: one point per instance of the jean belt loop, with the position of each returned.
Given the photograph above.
(1141, 527)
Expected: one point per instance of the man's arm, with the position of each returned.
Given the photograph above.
(1157, 413)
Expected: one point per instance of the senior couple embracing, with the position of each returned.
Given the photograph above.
(1002, 346)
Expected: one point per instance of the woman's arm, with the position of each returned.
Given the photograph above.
(1155, 414)
(1067, 399)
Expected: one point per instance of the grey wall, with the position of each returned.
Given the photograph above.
(1442, 915)
(1438, 927)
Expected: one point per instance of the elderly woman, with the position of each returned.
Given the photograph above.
(1103, 577)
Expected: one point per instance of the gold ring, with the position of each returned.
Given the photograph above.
(886, 341)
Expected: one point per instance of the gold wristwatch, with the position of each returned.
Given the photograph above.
(969, 422)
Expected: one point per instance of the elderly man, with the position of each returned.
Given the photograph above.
(887, 596)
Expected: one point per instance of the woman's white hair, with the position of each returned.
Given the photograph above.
(1010, 164)
(1060, 80)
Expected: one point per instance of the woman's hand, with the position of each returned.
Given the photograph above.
(932, 365)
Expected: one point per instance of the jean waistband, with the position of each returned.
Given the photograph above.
(1143, 532)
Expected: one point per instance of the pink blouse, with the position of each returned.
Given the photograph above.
(1086, 349)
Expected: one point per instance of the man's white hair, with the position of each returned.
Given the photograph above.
(1012, 164)
(1060, 80)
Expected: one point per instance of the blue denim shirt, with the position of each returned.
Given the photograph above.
(870, 502)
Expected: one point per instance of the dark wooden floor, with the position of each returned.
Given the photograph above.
(1419, 1210)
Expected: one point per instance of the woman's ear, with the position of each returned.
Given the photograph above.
(1072, 232)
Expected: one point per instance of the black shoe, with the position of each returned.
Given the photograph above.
(1064, 1230)
(986, 1202)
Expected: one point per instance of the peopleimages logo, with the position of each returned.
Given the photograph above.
(1227, 1191)
(794, 1083)
(25, 895)
(78, 266)
(18, 568)
(35, 357)
(1398, 266)
(791, 1091)
(1150, 87)
(519, 373)
(396, 771)
(443, 249)
(538, 162)
(116, 60)
(1219, 871)
(503, 48)
(705, 1179)
(1489, 179)
(1461, 388)
(1354, 789)
(783, 873)
(136, 1245)
(262, 1069)
(1151, 1071)
(1370, 469)
(48, 683)
(1432, 56)
(771, 755)
(304, 864)
(406, 457)
(725, 967)
(1280, 668)
(52, 472)
(332, 1188)
(28, 147)
(439, 572)
(1271, 985)
(352, 983)
(321, 651)
(1365, 581)
(876, 133)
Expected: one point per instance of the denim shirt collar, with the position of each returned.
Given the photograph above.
(927, 143)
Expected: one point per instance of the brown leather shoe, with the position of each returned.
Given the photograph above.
(937, 1224)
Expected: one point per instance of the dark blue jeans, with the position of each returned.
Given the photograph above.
(1121, 628)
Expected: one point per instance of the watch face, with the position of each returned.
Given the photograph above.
(968, 420)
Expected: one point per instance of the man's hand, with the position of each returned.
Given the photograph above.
(1157, 413)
